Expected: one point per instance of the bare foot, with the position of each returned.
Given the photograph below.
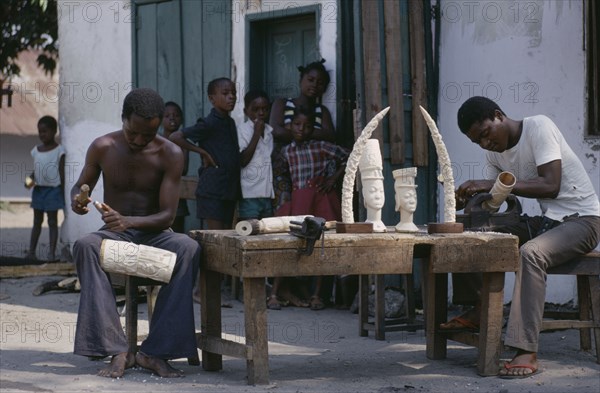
(118, 364)
(522, 365)
(158, 366)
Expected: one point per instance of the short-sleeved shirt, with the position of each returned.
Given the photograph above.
(542, 142)
(217, 134)
(257, 176)
(310, 159)
(46, 166)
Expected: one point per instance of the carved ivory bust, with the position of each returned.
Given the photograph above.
(406, 198)
(371, 176)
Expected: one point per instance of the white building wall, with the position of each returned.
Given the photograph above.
(327, 35)
(529, 57)
(95, 75)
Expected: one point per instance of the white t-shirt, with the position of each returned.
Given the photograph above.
(257, 177)
(45, 164)
(542, 142)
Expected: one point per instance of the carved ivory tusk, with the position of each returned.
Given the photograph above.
(445, 168)
(352, 165)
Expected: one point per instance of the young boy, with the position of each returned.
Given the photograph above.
(217, 143)
(255, 137)
(172, 120)
(313, 192)
(48, 185)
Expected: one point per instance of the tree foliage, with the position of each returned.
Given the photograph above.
(28, 24)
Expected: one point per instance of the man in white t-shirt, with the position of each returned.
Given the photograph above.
(255, 138)
(546, 169)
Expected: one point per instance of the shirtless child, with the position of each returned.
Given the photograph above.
(139, 169)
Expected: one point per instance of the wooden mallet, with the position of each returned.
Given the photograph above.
(84, 195)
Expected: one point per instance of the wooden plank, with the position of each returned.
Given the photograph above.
(372, 63)
(566, 324)
(194, 104)
(467, 338)
(168, 52)
(255, 317)
(585, 310)
(363, 305)
(436, 311)
(586, 265)
(594, 282)
(146, 52)
(380, 307)
(393, 61)
(490, 330)
(419, 87)
(47, 269)
(223, 347)
(210, 316)
(343, 260)
(471, 256)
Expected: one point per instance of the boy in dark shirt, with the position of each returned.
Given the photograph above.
(215, 138)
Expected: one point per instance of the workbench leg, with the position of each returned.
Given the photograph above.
(210, 316)
(583, 300)
(379, 307)
(363, 304)
(490, 331)
(594, 283)
(436, 311)
(131, 314)
(255, 316)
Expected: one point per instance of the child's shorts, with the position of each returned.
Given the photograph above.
(215, 209)
(47, 199)
(255, 208)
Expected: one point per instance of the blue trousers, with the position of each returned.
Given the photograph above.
(172, 329)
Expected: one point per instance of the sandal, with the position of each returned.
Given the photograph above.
(458, 324)
(273, 303)
(296, 301)
(316, 303)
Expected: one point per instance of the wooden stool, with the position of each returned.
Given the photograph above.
(380, 325)
(587, 270)
(131, 309)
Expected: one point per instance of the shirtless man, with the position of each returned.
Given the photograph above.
(140, 170)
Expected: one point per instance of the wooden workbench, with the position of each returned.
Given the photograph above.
(255, 257)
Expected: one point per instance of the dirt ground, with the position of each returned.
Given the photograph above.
(308, 352)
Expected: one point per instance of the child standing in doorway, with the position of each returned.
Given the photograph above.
(255, 138)
(313, 189)
(314, 79)
(48, 185)
(172, 119)
(215, 139)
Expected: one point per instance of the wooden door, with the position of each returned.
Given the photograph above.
(179, 47)
(277, 47)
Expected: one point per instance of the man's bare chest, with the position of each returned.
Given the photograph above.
(132, 172)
